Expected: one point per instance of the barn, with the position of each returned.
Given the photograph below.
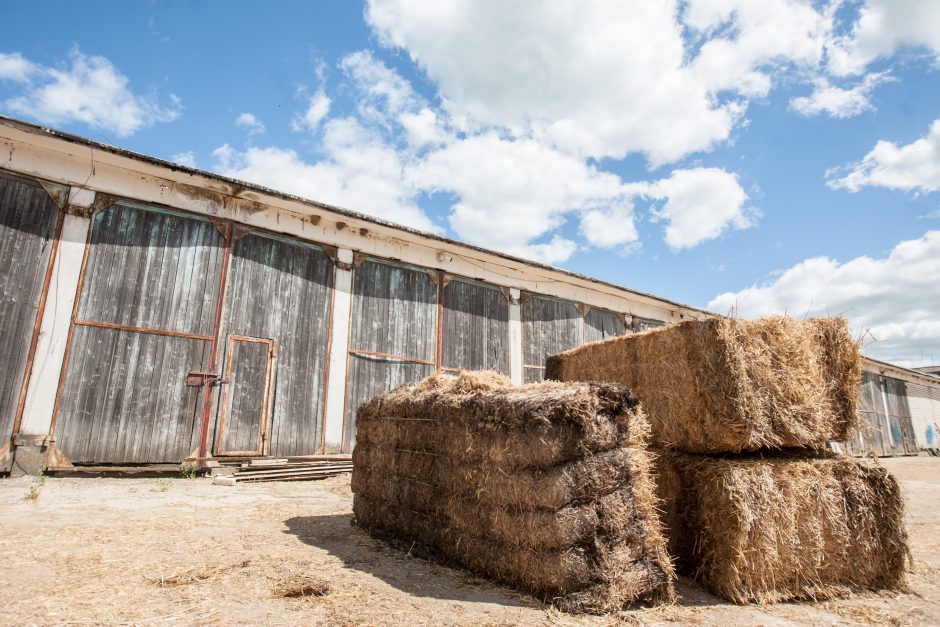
(154, 314)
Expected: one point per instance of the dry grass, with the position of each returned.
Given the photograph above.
(723, 385)
(771, 529)
(581, 533)
(302, 586)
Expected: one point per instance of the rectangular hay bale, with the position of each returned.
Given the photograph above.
(770, 529)
(728, 386)
(531, 485)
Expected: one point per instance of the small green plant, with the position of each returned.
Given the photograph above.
(34, 489)
(188, 471)
(163, 485)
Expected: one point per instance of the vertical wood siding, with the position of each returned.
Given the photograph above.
(393, 333)
(884, 434)
(244, 409)
(476, 327)
(600, 324)
(124, 397)
(548, 326)
(282, 291)
(28, 219)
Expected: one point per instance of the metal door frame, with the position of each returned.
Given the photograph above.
(268, 394)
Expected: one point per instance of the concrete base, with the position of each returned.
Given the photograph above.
(28, 459)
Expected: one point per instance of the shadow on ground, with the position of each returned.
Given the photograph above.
(412, 575)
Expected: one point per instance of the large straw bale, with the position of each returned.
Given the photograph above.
(574, 482)
(546, 487)
(603, 574)
(769, 529)
(482, 416)
(726, 386)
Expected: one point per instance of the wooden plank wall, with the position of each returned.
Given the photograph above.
(145, 317)
(393, 333)
(282, 290)
(28, 220)
(476, 327)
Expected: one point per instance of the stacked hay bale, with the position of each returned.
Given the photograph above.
(546, 487)
(740, 411)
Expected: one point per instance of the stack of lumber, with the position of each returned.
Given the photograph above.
(755, 507)
(546, 487)
(286, 470)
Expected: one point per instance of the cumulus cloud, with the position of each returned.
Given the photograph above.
(513, 192)
(838, 102)
(186, 158)
(893, 298)
(90, 90)
(359, 172)
(912, 167)
(698, 204)
(318, 107)
(249, 122)
(602, 79)
(884, 27)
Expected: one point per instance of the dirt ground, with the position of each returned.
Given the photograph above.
(185, 551)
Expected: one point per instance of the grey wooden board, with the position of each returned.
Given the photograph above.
(549, 326)
(643, 324)
(899, 415)
(152, 270)
(28, 220)
(394, 311)
(873, 436)
(124, 397)
(600, 324)
(282, 291)
(476, 327)
(370, 376)
(244, 410)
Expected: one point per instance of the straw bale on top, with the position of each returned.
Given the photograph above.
(771, 529)
(726, 386)
(483, 417)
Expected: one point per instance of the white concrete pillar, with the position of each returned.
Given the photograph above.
(54, 327)
(339, 349)
(515, 336)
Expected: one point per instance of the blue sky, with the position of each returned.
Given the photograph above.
(768, 156)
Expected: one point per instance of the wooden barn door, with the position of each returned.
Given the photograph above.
(28, 222)
(144, 320)
(276, 320)
(245, 410)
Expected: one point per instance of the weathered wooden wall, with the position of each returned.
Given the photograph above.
(28, 220)
(144, 319)
(279, 290)
(886, 433)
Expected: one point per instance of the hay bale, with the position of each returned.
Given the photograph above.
(771, 529)
(483, 417)
(723, 385)
(531, 485)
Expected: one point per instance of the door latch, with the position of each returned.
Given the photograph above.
(198, 379)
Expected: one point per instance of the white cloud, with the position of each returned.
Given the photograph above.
(250, 122)
(913, 167)
(895, 298)
(512, 193)
(359, 172)
(699, 204)
(601, 79)
(318, 107)
(186, 158)
(90, 91)
(883, 28)
(16, 67)
(838, 102)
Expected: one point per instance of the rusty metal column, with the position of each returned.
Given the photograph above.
(339, 353)
(515, 336)
(54, 327)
